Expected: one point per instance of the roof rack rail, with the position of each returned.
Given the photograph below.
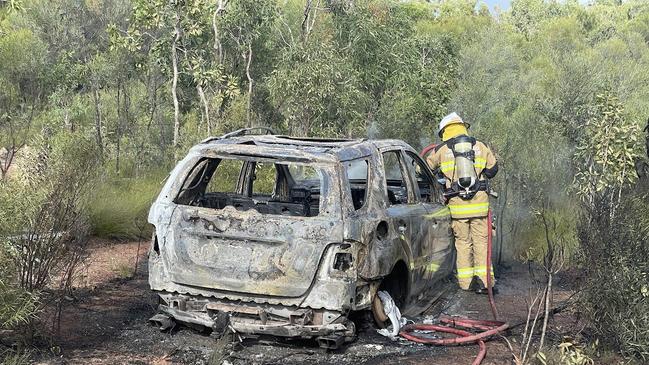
(239, 133)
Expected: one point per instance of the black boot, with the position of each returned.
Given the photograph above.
(482, 289)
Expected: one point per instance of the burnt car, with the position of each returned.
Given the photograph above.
(286, 236)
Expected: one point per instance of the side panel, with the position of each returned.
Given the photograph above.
(374, 228)
(432, 235)
(434, 259)
(386, 243)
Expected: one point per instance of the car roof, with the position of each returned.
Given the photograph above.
(296, 148)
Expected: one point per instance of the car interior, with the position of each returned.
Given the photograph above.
(267, 187)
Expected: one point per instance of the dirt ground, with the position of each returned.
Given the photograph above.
(106, 323)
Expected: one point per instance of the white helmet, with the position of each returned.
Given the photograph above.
(452, 118)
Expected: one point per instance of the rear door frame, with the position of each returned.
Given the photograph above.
(436, 225)
(402, 216)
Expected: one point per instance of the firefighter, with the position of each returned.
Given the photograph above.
(465, 164)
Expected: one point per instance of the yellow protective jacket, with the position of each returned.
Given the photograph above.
(485, 166)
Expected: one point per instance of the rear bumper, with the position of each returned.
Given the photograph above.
(252, 318)
(334, 291)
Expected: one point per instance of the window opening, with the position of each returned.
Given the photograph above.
(275, 188)
(264, 179)
(396, 185)
(424, 180)
(227, 179)
(357, 175)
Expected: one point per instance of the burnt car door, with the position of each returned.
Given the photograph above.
(431, 235)
(403, 211)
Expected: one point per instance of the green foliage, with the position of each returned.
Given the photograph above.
(558, 89)
(613, 232)
(227, 176)
(264, 183)
(419, 96)
(44, 226)
(22, 57)
(608, 149)
(248, 20)
(461, 20)
(17, 306)
(377, 66)
(10, 357)
(562, 228)
(119, 206)
(318, 92)
(529, 86)
(616, 264)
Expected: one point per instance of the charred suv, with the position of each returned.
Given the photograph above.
(286, 236)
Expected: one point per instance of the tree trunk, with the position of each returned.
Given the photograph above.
(98, 121)
(548, 304)
(119, 127)
(305, 22)
(127, 127)
(218, 51)
(66, 119)
(218, 48)
(174, 82)
(310, 14)
(206, 109)
(250, 82)
(155, 85)
(5, 162)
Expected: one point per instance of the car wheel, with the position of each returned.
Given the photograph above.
(380, 318)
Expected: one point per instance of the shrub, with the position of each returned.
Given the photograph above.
(119, 206)
(616, 264)
(43, 230)
(613, 233)
(16, 305)
(567, 353)
(44, 223)
(11, 357)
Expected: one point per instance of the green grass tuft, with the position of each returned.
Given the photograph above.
(119, 206)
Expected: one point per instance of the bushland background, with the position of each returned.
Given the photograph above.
(99, 99)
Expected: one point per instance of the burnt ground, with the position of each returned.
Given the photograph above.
(106, 323)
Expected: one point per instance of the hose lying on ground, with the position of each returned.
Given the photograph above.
(458, 326)
(488, 328)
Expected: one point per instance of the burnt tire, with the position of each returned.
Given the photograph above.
(380, 318)
(396, 284)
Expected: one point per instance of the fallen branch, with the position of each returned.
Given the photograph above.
(558, 309)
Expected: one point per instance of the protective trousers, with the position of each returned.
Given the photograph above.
(471, 245)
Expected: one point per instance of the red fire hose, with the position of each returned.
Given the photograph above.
(490, 290)
(462, 336)
(427, 149)
(487, 328)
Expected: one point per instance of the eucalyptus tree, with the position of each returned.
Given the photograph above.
(23, 87)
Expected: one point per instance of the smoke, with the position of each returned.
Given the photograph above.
(373, 131)
(425, 141)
